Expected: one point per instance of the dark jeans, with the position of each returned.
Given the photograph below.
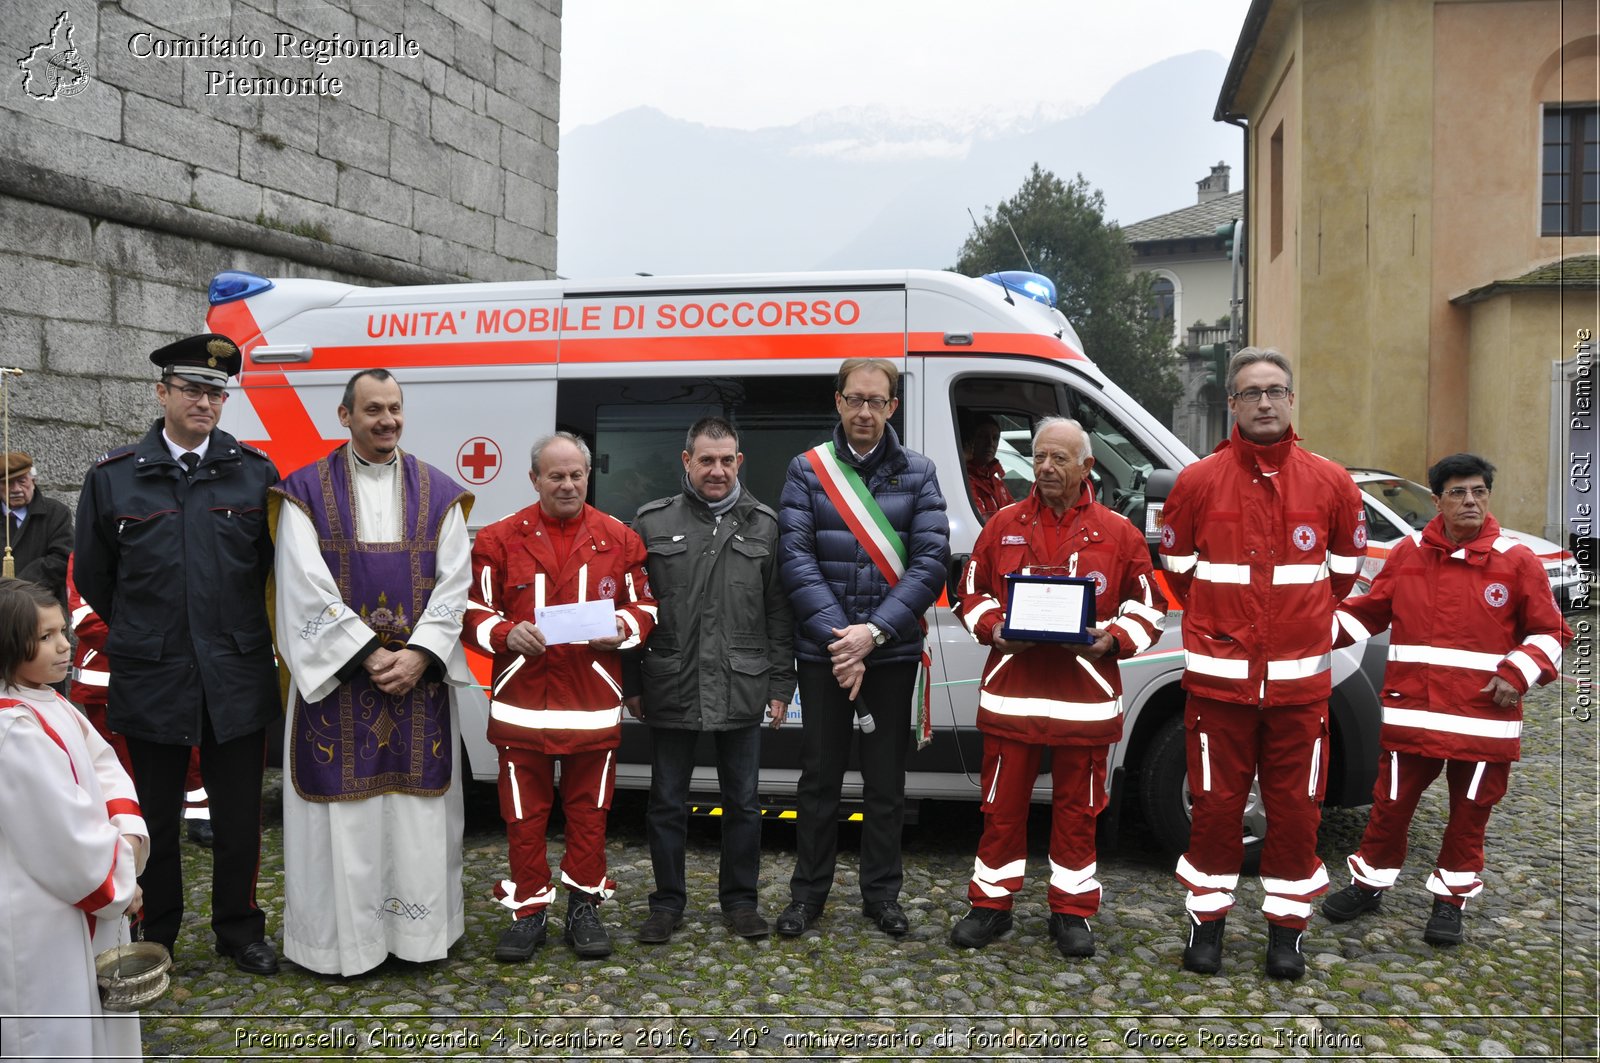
(232, 773)
(738, 770)
(828, 718)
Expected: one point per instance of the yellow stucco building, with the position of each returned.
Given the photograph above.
(1424, 199)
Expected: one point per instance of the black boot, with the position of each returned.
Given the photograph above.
(584, 932)
(1444, 925)
(1203, 954)
(1284, 959)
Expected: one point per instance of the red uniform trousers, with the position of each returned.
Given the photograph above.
(1475, 788)
(527, 793)
(1227, 745)
(1078, 782)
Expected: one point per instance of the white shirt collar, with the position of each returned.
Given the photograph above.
(178, 452)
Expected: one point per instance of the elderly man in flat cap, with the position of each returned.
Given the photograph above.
(41, 528)
(173, 552)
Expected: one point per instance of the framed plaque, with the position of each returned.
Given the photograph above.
(1049, 608)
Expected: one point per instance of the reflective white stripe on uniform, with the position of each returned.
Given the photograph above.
(516, 790)
(484, 630)
(1205, 762)
(605, 771)
(79, 613)
(1463, 884)
(1134, 630)
(1199, 903)
(1477, 777)
(512, 901)
(1372, 878)
(1100, 680)
(1297, 887)
(1547, 646)
(988, 605)
(1352, 627)
(1196, 879)
(1070, 880)
(994, 784)
(1221, 667)
(1048, 708)
(1444, 657)
(602, 891)
(90, 678)
(555, 719)
(600, 670)
(988, 879)
(1316, 768)
(583, 583)
(1179, 563)
(1300, 668)
(1144, 611)
(1394, 775)
(1285, 907)
(538, 593)
(505, 677)
(1213, 572)
(1001, 664)
(1524, 664)
(1451, 723)
(1344, 564)
(1292, 575)
(486, 585)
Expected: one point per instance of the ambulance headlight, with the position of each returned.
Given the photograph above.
(235, 284)
(1035, 286)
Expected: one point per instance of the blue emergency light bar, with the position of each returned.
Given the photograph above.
(233, 284)
(1035, 286)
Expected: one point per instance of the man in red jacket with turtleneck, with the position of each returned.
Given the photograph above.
(1260, 541)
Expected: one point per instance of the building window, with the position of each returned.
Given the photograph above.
(1571, 188)
(1275, 186)
(1163, 297)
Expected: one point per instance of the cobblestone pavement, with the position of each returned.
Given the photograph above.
(1524, 984)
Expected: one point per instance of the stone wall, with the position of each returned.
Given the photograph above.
(130, 175)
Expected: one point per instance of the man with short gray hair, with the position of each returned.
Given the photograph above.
(556, 699)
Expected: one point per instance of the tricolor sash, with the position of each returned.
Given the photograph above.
(864, 517)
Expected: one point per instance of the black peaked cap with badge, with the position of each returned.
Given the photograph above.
(204, 359)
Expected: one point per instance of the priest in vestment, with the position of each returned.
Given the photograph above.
(373, 563)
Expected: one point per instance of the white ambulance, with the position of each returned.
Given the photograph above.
(630, 363)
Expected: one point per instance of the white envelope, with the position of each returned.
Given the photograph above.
(579, 622)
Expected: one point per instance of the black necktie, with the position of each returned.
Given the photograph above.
(190, 459)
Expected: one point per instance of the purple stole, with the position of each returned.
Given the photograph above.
(358, 741)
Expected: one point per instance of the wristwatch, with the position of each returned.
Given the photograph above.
(878, 637)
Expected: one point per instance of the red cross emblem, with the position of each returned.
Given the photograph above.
(1099, 582)
(1496, 594)
(1305, 537)
(608, 587)
(478, 460)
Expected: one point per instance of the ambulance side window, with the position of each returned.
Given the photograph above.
(636, 429)
(1122, 464)
(994, 419)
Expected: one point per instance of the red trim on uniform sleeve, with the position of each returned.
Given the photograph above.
(123, 806)
(105, 893)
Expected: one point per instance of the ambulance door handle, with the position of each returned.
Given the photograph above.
(602, 463)
(284, 352)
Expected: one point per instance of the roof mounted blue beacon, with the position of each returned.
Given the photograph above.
(1035, 286)
(232, 284)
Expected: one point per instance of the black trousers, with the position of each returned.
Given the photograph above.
(827, 722)
(232, 773)
(738, 778)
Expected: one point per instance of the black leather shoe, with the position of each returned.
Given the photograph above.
(521, 938)
(979, 927)
(1203, 954)
(1350, 902)
(889, 916)
(258, 957)
(798, 918)
(584, 932)
(1284, 958)
(1444, 925)
(1073, 935)
(658, 926)
(747, 923)
(200, 832)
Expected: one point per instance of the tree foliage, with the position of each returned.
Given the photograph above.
(1063, 229)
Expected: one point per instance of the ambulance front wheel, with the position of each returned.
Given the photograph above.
(1166, 800)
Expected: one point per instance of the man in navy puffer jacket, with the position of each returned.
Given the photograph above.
(858, 632)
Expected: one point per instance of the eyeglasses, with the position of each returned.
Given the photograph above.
(1459, 494)
(1277, 393)
(878, 403)
(194, 393)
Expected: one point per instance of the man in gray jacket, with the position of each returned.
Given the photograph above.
(721, 655)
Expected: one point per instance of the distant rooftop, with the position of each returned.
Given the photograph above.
(1188, 223)
(1574, 271)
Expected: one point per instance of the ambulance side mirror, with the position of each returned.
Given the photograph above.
(1156, 490)
(958, 565)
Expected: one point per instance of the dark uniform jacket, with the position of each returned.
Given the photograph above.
(177, 568)
(723, 644)
(40, 548)
(832, 583)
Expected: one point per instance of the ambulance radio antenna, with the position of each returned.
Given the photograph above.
(976, 231)
(1018, 239)
(8, 566)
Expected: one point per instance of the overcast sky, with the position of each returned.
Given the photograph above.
(750, 64)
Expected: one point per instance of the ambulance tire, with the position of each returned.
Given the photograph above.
(1165, 800)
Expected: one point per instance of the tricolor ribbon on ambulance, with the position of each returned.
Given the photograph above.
(865, 519)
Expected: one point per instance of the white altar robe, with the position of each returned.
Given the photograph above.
(367, 878)
(60, 843)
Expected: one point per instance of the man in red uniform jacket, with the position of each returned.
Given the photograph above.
(1039, 695)
(1261, 540)
(555, 702)
(1474, 628)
